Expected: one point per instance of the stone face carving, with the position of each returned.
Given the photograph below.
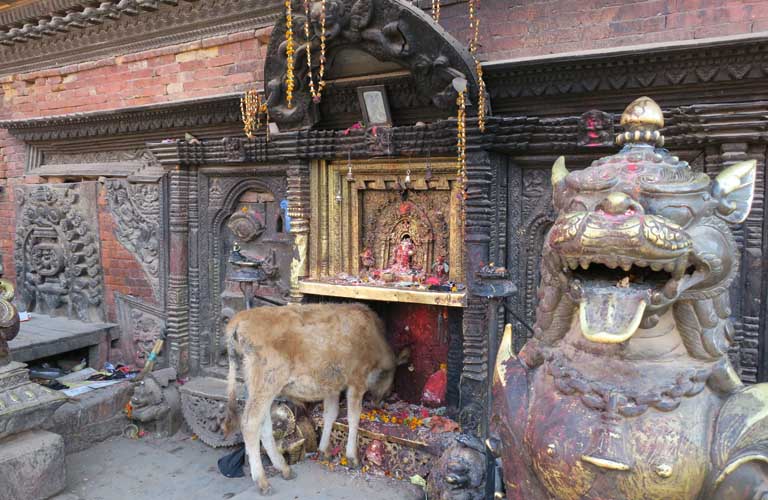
(626, 389)
(595, 129)
(459, 474)
(135, 208)
(391, 31)
(57, 250)
(141, 325)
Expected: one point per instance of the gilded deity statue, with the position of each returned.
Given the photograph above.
(404, 255)
(626, 390)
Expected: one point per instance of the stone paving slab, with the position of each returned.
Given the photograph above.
(179, 468)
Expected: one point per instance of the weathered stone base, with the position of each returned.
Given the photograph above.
(23, 404)
(32, 466)
(93, 417)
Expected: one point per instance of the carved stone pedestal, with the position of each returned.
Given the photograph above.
(31, 461)
(24, 405)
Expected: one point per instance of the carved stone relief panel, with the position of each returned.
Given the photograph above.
(119, 162)
(246, 208)
(135, 209)
(140, 326)
(57, 250)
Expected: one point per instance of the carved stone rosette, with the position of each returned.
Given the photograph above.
(57, 251)
(205, 415)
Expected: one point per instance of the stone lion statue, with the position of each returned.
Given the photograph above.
(626, 390)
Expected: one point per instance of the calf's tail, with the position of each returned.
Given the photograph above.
(231, 421)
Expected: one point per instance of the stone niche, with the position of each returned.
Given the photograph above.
(362, 206)
(249, 209)
(57, 251)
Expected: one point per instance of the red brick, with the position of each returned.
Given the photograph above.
(239, 37)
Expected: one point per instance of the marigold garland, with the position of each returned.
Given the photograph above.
(315, 91)
(461, 142)
(289, 51)
(474, 26)
(436, 10)
(252, 107)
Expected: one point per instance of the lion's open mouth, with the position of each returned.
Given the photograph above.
(614, 291)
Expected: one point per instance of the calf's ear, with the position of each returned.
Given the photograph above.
(404, 356)
(734, 189)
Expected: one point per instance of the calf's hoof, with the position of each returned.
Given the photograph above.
(265, 489)
(288, 474)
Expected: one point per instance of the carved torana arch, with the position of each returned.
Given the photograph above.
(389, 30)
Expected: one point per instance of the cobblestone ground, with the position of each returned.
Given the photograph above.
(180, 468)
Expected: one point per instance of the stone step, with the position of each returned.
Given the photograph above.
(92, 417)
(32, 466)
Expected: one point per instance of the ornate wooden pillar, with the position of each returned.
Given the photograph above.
(194, 271)
(178, 277)
(477, 237)
(751, 278)
(298, 210)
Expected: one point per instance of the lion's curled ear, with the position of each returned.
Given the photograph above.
(559, 173)
(734, 189)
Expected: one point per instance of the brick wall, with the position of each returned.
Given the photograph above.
(208, 67)
(212, 66)
(122, 272)
(232, 63)
(526, 28)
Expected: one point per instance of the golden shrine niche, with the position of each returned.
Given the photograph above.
(364, 210)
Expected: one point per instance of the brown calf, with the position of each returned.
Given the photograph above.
(306, 353)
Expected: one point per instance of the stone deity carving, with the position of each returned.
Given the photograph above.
(626, 390)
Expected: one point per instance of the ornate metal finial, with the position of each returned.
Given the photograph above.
(642, 120)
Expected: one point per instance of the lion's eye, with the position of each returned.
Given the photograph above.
(577, 206)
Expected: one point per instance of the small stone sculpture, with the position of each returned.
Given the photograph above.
(460, 472)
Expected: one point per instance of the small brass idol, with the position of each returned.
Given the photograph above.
(626, 391)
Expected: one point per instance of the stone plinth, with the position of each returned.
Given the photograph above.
(32, 466)
(23, 405)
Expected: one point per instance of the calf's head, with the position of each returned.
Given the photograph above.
(381, 380)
